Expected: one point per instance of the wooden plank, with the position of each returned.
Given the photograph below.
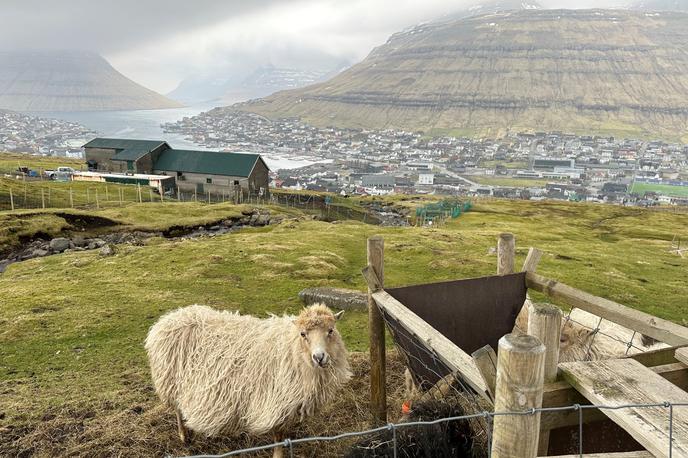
(449, 353)
(657, 357)
(625, 381)
(682, 355)
(642, 454)
(560, 394)
(485, 360)
(657, 328)
(532, 260)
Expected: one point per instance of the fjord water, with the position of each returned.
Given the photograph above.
(146, 125)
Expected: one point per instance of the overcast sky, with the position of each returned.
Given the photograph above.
(159, 42)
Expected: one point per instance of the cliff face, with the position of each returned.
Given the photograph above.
(602, 70)
(70, 81)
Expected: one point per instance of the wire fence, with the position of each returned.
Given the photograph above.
(395, 428)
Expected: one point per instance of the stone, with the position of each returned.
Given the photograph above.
(79, 241)
(39, 253)
(59, 244)
(340, 298)
(263, 220)
(107, 250)
(214, 228)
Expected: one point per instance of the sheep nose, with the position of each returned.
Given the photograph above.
(318, 358)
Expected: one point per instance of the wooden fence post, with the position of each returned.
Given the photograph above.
(107, 194)
(97, 202)
(121, 196)
(376, 329)
(506, 252)
(179, 196)
(150, 194)
(532, 260)
(11, 200)
(544, 322)
(519, 387)
(71, 198)
(88, 196)
(42, 198)
(138, 192)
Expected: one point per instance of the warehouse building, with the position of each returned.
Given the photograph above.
(196, 171)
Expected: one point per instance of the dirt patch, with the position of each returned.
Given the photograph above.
(146, 428)
(87, 222)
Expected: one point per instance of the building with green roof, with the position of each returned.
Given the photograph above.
(197, 171)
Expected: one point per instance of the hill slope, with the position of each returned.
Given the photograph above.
(619, 71)
(70, 81)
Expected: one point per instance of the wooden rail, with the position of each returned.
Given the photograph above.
(657, 328)
(447, 351)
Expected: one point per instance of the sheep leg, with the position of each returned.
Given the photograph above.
(184, 433)
(278, 452)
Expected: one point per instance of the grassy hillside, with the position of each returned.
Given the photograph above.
(604, 71)
(73, 373)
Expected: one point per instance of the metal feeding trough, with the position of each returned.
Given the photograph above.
(471, 313)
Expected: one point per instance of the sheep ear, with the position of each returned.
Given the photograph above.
(338, 315)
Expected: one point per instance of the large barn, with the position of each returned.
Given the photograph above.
(196, 171)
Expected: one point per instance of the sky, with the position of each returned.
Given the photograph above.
(158, 43)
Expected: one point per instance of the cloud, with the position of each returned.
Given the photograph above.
(160, 42)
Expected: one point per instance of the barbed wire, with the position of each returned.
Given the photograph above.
(393, 427)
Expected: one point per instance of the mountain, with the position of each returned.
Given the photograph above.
(70, 81)
(661, 5)
(261, 82)
(580, 70)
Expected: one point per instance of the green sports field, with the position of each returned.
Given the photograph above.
(665, 189)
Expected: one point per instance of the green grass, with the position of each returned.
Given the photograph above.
(72, 325)
(10, 161)
(664, 189)
(505, 181)
(507, 164)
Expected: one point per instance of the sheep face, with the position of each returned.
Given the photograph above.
(320, 341)
(575, 342)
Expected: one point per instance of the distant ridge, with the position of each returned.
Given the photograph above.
(70, 81)
(616, 71)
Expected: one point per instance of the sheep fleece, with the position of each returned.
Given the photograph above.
(230, 373)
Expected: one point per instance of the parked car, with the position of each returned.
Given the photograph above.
(62, 173)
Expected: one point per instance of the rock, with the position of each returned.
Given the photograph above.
(340, 298)
(99, 243)
(227, 223)
(59, 244)
(254, 218)
(79, 241)
(248, 212)
(214, 228)
(262, 220)
(39, 253)
(107, 250)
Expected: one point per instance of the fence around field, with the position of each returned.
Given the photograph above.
(520, 401)
(393, 432)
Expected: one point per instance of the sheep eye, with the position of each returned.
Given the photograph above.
(303, 334)
(329, 333)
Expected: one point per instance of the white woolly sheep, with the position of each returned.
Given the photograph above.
(226, 373)
(580, 343)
